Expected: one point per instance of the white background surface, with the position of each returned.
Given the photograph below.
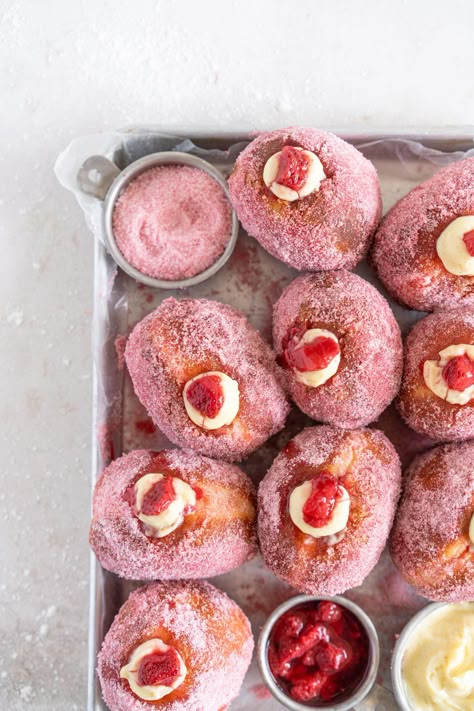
(68, 68)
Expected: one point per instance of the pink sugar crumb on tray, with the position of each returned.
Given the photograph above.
(172, 222)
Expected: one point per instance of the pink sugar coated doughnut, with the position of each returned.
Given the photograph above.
(172, 222)
(182, 339)
(217, 538)
(207, 628)
(404, 250)
(372, 479)
(422, 410)
(430, 542)
(329, 229)
(369, 374)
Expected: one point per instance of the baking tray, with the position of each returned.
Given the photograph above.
(251, 281)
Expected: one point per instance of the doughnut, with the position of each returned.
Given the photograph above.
(325, 508)
(207, 378)
(172, 514)
(340, 346)
(437, 394)
(311, 199)
(423, 250)
(432, 542)
(175, 646)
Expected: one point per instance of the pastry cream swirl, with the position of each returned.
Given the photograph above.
(438, 666)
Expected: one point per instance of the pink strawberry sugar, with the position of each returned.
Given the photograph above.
(432, 513)
(212, 547)
(207, 637)
(369, 374)
(172, 222)
(181, 339)
(404, 251)
(329, 229)
(375, 485)
(422, 410)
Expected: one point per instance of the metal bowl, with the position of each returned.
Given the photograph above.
(399, 652)
(374, 655)
(99, 177)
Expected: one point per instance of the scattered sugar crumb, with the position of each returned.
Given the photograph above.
(15, 317)
(26, 693)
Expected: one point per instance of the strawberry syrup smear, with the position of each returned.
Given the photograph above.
(318, 651)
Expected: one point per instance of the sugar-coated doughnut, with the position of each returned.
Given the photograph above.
(172, 514)
(326, 506)
(310, 199)
(340, 346)
(437, 394)
(423, 250)
(175, 646)
(432, 542)
(207, 378)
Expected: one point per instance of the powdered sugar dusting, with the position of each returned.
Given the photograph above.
(172, 222)
(424, 411)
(368, 377)
(218, 537)
(434, 513)
(184, 338)
(329, 229)
(404, 251)
(208, 629)
(372, 478)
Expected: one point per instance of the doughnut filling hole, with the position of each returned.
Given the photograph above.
(320, 506)
(162, 502)
(293, 173)
(455, 246)
(314, 356)
(451, 378)
(154, 670)
(212, 400)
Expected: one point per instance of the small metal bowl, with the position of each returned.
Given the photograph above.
(374, 655)
(101, 178)
(399, 652)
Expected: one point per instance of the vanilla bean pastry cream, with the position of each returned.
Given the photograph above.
(438, 666)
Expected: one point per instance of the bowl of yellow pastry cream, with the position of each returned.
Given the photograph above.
(433, 660)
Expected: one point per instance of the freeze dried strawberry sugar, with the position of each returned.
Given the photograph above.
(158, 497)
(318, 651)
(468, 239)
(293, 168)
(206, 395)
(315, 355)
(159, 668)
(319, 507)
(459, 373)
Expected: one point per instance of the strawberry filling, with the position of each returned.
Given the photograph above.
(206, 395)
(468, 239)
(459, 373)
(318, 651)
(158, 497)
(315, 355)
(293, 168)
(319, 507)
(159, 668)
